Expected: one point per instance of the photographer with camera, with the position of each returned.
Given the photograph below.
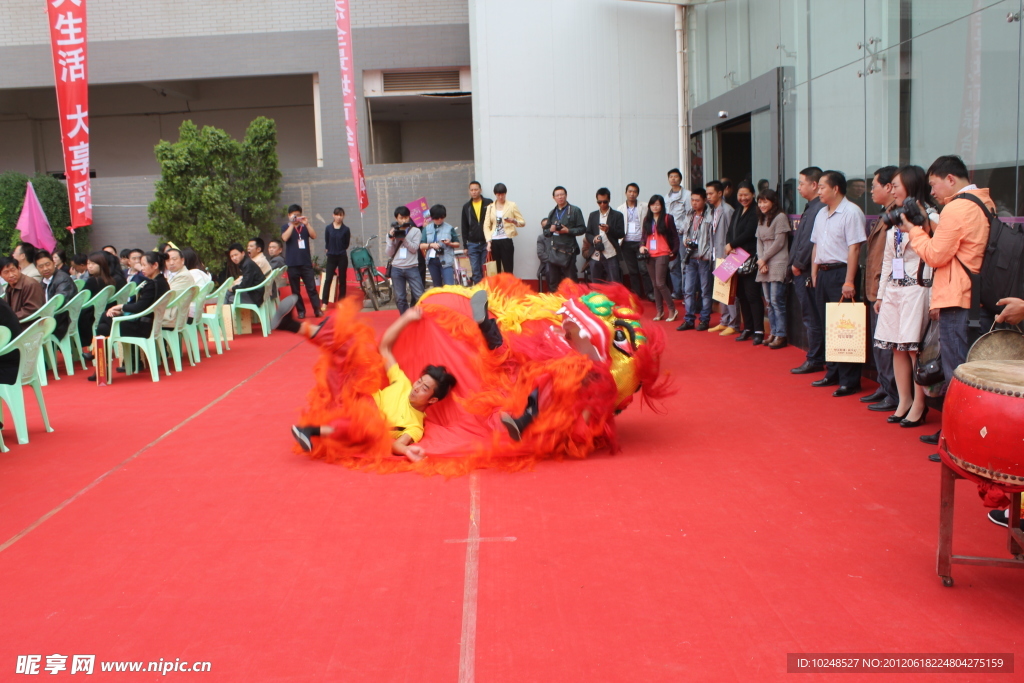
(605, 227)
(902, 305)
(565, 224)
(438, 246)
(886, 397)
(297, 236)
(403, 249)
(698, 253)
(501, 224)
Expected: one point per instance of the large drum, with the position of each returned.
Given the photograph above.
(983, 420)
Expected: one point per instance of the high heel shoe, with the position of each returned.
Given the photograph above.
(893, 419)
(658, 317)
(915, 423)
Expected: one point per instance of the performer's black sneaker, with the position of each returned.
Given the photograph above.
(1002, 518)
(304, 435)
(478, 302)
(283, 319)
(517, 425)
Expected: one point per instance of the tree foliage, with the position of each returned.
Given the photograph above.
(214, 190)
(53, 197)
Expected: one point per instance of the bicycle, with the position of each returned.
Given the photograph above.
(375, 285)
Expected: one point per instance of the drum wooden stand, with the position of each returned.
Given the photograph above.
(946, 558)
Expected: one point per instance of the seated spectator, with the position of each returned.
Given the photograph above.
(134, 273)
(25, 255)
(250, 276)
(152, 288)
(114, 261)
(178, 279)
(9, 361)
(773, 230)
(60, 260)
(195, 266)
(255, 251)
(24, 294)
(125, 257)
(56, 282)
(99, 277)
(79, 271)
(275, 254)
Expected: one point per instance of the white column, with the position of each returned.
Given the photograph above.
(317, 124)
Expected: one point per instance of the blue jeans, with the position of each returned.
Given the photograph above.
(477, 258)
(952, 339)
(775, 295)
(675, 274)
(812, 322)
(698, 276)
(440, 274)
(399, 278)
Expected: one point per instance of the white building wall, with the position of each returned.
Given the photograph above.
(583, 94)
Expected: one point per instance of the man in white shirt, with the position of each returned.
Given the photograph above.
(677, 204)
(721, 218)
(25, 255)
(635, 211)
(179, 280)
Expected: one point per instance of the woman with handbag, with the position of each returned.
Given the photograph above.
(659, 244)
(743, 235)
(902, 304)
(501, 223)
(773, 230)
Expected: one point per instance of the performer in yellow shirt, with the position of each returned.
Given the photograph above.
(402, 403)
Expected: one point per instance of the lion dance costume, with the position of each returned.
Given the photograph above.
(584, 349)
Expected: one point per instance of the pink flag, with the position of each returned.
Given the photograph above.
(32, 223)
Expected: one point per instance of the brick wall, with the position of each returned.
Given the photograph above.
(120, 204)
(23, 22)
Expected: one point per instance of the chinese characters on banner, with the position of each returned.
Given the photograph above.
(351, 125)
(67, 40)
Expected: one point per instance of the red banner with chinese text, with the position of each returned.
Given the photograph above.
(70, 73)
(341, 15)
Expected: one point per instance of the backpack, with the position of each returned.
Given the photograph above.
(1002, 266)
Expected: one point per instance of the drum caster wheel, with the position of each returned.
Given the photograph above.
(947, 581)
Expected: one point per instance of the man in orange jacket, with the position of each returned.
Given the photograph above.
(959, 238)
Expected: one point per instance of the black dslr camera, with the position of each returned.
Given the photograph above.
(691, 250)
(398, 231)
(910, 209)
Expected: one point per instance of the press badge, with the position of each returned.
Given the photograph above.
(431, 253)
(654, 245)
(897, 269)
(302, 243)
(402, 253)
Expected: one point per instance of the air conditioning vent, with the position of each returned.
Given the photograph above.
(421, 81)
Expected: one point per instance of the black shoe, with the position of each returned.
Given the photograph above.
(807, 368)
(87, 356)
(758, 338)
(517, 425)
(702, 327)
(120, 368)
(931, 439)
(883, 407)
(935, 457)
(1002, 518)
(282, 319)
(893, 419)
(478, 302)
(91, 378)
(684, 327)
(825, 382)
(879, 395)
(745, 335)
(302, 315)
(916, 423)
(846, 391)
(304, 436)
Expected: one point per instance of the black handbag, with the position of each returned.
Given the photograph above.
(387, 270)
(929, 364)
(749, 266)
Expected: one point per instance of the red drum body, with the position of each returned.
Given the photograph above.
(983, 420)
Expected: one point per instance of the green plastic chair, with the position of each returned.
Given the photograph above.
(174, 336)
(148, 345)
(125, 293)
(28, 343)
(98, 304)
(72, 342)
(193, 330)
(214, 322)
(5, 336)
(260, 310)
(79, 284)
(47, 310)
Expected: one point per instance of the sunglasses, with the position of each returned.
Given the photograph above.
(602, 201)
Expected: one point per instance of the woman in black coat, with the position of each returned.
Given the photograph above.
(100, 276)
(743, 235)
(152, 288)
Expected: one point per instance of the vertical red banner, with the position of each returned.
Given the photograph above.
(71, 75)
(341, 15)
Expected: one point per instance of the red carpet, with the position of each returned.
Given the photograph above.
(758, 517)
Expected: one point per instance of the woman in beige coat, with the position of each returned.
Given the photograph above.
(772, 260)
(501, 224)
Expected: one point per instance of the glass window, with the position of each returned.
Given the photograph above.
(837, 32)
